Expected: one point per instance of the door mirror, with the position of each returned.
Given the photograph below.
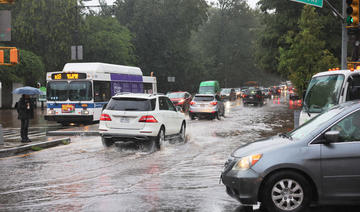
(332, 136)
(178, 108)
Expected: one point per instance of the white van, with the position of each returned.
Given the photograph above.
(327, 89)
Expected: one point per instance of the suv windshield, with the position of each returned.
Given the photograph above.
(323, 92)
(207, 89)
(131, 104)
(204, 98)
(176, 95)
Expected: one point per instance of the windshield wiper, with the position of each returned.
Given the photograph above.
(285, 135)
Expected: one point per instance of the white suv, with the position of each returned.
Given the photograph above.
(141, 117)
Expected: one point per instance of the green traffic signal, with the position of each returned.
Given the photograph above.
(349, 20)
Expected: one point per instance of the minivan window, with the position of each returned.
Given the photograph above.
(131, 104)
(204, 98)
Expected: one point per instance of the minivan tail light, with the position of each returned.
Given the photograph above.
(105, 117)
(192, 103)
(148, 119)
(213, 103)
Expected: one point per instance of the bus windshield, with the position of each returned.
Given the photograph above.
(80, 91)
(73, 91)
(57, 91)
(323, 92)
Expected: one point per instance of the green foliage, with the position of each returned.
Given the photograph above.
(108, 41)
(163, 29)
(306, 54)
(29, 71)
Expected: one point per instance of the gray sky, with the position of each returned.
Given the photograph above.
(252, 3)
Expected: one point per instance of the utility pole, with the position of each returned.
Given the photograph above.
(344, 39)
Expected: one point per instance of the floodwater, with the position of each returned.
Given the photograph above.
(85, 176)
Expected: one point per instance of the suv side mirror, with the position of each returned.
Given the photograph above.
(332, 136)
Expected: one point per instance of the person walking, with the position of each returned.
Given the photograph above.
(25, 109)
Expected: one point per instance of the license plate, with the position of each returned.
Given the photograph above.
(251, 97)
(202, 105)
(124, 120)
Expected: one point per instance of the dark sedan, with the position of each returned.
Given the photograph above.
(315, 163)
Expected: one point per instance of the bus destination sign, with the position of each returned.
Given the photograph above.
(68, 76)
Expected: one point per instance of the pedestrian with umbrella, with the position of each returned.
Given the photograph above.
(25, 108)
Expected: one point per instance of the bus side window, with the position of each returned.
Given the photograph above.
(353, 91)
(101, 91)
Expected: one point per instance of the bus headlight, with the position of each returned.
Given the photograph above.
(51, 111)
(84, 112)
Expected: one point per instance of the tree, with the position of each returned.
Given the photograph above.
(107, 41)
(162, 31)
(306, 54)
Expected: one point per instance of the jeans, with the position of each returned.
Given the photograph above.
(24, 129)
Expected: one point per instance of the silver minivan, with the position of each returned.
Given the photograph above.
(315, 163)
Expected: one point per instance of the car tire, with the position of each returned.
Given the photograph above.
(286, 191)
(107, 142)
(217, 115)
(182, 132)
(192, 116)
(160, 139)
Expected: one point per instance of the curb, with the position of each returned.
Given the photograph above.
(20, 149)
(72, 133)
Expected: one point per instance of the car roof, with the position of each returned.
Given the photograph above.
(136, 95)
(210, 94)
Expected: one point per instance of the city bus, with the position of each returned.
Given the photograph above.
(79, 92)
(327, 89)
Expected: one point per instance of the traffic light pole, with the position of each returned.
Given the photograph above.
(344, 39)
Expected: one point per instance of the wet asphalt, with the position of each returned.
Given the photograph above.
(85, 176)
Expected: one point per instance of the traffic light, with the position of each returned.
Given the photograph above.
(7, 1)
(1, 57)
(11, 54)
(14, 56)
(353, 12)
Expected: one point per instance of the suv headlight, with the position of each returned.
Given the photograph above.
(247, 162)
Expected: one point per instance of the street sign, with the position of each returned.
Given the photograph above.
(316, 3)
(171, 79)
(77, 52)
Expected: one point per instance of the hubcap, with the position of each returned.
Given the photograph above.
(287, 194)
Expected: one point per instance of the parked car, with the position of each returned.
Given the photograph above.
(141, 117)
(206, 105)
(253, 96)
(181, 99)
(228, 94)
(315, 163)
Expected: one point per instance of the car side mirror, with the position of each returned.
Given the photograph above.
(332, 136)
(178, 108)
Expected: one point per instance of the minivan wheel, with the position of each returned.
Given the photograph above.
(286, 191)
(160, 139)
(107, 142)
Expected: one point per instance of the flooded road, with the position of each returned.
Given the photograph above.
(85, 176)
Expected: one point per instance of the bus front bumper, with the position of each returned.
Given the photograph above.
(70, 118)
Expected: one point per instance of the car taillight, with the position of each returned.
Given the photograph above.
(148, 119)
(105, 117)
(192, 103)
(213, 103)
(244, 95)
